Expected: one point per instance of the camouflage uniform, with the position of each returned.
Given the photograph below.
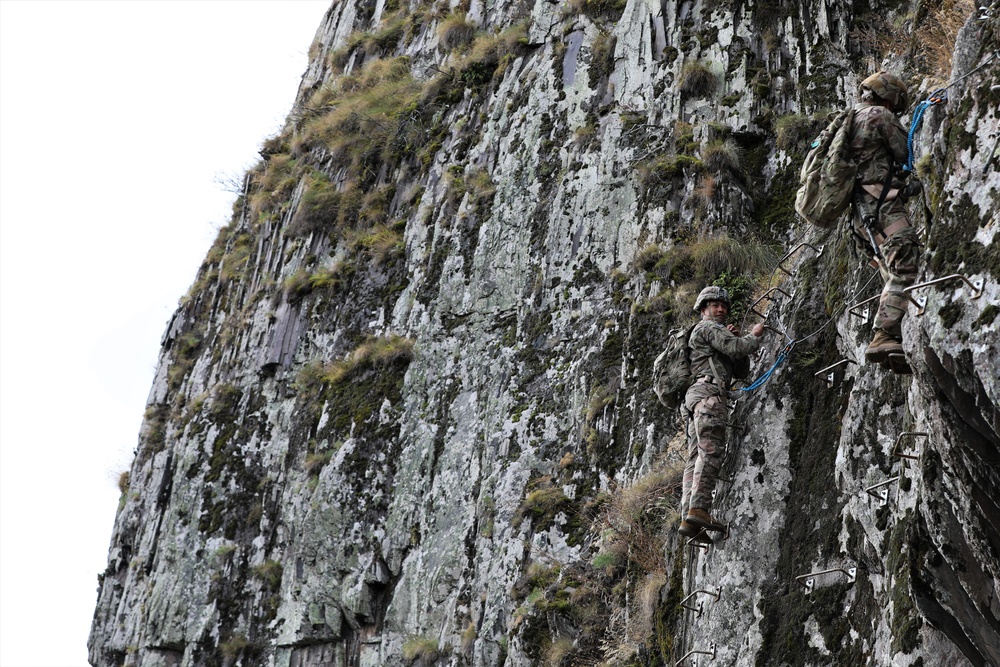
(714, 349)
(878, 141)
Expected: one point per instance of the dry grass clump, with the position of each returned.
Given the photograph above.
(374, 352)
(359, 115)
(302, 283)
(795, 131)
(935, 38)
(598, 9)
(382, 241)
(702, 261)
(319, 207)
(635, 519)
(455, 32)
(421, 651)
(273, 182)
(705, 189)
(721, 156)
(316, 461)
(697, 80)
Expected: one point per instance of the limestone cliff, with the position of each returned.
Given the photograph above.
(405, 415)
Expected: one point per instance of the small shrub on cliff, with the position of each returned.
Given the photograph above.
(697, 80)
(599, 9)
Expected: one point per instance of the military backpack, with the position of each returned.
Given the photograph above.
(828, 173)
(672, 369)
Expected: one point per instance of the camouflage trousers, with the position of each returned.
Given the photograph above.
(900, 262)
(706, 438)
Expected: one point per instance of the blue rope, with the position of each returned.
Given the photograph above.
(939, 96)
(759, 382)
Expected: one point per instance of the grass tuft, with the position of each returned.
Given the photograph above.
(456, 32)
(697, 81)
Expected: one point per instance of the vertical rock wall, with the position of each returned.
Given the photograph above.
(411, 382)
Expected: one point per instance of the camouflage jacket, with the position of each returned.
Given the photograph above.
(878, 141)
(730, 353)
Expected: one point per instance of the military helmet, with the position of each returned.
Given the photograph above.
(712, 293)
(890, 88)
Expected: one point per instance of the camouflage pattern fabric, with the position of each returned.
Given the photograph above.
(730, 353)
(899, 269)
(705, 402)
(878, 142)
(706, 435)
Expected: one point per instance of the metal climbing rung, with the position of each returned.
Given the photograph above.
(687, 655)
(723, 535)
(701, 545)
(766, 295)
(853, 310)
(907, 455)
(976, 285)
(701, 605)
(781, 262)
(829, 377)
(882, 493)
(810, 578)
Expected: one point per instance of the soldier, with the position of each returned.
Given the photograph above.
(878, 143)
(718, 354)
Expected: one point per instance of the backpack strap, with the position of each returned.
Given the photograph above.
(871, 220)
(715, 371)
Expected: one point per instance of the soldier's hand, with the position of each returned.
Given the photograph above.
(733, 330)
(758, 329)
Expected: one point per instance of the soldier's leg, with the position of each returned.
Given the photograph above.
(692, 456)
(901, 253)
(898, 266)
(686, 528)
(710, 427)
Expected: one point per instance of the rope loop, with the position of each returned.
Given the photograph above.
(939, 96)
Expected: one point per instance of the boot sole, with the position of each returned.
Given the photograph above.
(690, 530)
(718, 527)
(881, 354)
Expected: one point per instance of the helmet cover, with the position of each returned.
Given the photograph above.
(712, 293)
(890, 88)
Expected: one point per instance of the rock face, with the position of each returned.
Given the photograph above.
(405, 414)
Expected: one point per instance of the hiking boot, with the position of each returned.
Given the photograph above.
(688, 529)
(882, 346)
(694, 532)
(702, 518)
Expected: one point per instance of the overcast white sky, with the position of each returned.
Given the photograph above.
(117, 120)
